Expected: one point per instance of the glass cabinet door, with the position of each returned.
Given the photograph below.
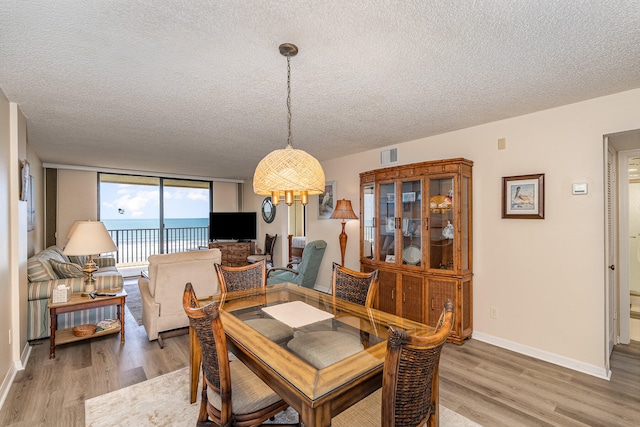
(465, 223)
(368, 221)
(387, 224)
(411, 227)
(441, 227)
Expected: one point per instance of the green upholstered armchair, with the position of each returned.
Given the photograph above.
(307, 268)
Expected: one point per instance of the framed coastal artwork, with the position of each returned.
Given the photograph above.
(327, 202)
(523, 196)
(24, 180)
(31, 212)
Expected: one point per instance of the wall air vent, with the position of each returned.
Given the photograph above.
(389, 157)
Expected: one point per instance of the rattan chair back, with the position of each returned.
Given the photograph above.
(269, 246)
(354, 286)
(217, 371)
(410, 377)
(241, 278)
(207, 325)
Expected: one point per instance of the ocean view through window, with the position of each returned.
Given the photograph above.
(151, 215)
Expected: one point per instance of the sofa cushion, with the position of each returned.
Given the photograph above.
(56, 252)
(79, 259)
(38, 266)
(39, 269)
(66, 270)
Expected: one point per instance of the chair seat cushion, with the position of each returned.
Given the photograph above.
(271, 328)
(361, 413)
(324, 348)
(248, 392)
(251, 259)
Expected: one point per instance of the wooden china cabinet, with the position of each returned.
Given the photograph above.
(416, 228)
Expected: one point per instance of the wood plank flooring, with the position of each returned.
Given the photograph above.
(490, 385)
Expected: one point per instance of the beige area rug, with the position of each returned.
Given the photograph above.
(163, 401)
(134, 299)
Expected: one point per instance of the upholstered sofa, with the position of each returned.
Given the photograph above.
(162, 292)
(50, 268)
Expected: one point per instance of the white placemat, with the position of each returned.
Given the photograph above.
(297, 313)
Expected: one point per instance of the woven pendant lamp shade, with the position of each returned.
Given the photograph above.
(288, 169)
(289, 172)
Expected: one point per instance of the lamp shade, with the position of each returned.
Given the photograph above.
(288, 169)
(72, 229)
(343, 210)
(88, 238)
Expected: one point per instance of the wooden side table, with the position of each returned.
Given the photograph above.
(80, 302)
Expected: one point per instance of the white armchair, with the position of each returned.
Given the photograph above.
(162, 292)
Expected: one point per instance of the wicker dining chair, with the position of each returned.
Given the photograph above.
(269, 246)
(240, 278)
(324, 348)
(410, 392)
(354, 286)
(232, 395)
(253, 276)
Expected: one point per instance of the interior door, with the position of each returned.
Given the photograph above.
(610, 252)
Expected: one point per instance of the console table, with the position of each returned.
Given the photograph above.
(234, 254)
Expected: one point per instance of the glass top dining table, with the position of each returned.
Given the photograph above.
(317, 394)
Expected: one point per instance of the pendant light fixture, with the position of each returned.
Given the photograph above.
(288, 172)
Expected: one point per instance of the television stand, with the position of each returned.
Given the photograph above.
(234, 254)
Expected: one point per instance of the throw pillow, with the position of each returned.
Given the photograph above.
(66, 270)
(79, 259)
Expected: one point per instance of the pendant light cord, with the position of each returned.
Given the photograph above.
(289, 99)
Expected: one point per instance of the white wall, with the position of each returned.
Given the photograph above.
(6, 357)
(253, 203)
(225, 197)
(77, 200)
(14, 244)
(545, 277)
(36, 236)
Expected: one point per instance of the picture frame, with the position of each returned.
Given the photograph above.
(391, 225)
(24, 180)
(523, 196)
(409, 197)
(31, 212)
(411, 227)
(327, 200)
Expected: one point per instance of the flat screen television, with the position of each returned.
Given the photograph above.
(232, 226)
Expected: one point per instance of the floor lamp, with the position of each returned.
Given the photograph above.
(343, 211)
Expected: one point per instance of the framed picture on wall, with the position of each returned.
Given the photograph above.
(523, 196)
(31, 212)
(24, 180)
(327, 201)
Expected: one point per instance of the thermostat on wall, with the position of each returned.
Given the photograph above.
(580, 188)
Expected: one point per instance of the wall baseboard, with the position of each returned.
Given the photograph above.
(546, 356)
(18, 365)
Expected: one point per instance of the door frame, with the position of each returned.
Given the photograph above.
(610, 253)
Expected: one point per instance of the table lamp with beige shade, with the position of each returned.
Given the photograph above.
(343, 211)
(89, 238)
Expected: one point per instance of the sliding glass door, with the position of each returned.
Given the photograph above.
(150, 215)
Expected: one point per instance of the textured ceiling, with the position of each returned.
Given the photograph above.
(199, 87)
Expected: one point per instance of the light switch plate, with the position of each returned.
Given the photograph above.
(580, 188)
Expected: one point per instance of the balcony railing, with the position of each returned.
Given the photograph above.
(135, 245)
